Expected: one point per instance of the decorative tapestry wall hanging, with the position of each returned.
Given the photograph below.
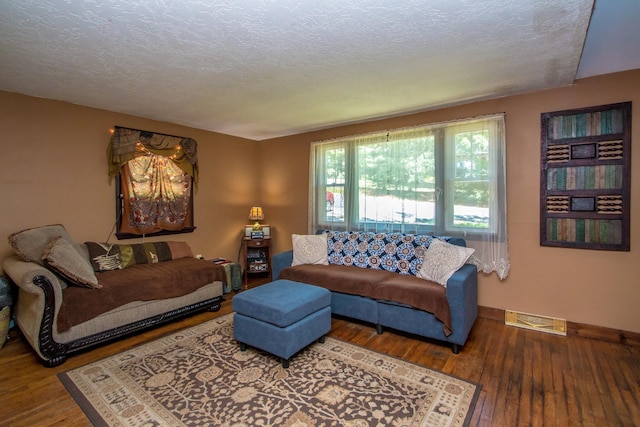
(156, 175)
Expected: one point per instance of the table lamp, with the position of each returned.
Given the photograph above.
(256, 214)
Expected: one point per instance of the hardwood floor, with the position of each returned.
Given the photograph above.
(528, 378)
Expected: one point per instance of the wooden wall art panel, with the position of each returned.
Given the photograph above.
(585, 178)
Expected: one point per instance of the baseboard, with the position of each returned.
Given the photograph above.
(491, 313)
(603, 334)
(577, 329)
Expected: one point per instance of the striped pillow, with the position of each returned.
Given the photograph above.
(110, 256)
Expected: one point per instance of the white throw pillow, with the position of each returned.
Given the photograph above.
(309, 249)
(442, 260)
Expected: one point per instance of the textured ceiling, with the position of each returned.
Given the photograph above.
(266, 68)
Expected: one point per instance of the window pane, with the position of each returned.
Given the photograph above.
(472, 154)
(471, 204)
(334, 178)
(334, 196)
(396, 182)
(471, 184)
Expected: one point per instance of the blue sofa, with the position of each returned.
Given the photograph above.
(461, 290)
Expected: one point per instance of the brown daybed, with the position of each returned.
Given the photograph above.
(67, 303)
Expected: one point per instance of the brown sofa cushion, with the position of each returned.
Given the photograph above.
(145, 282)
(419, 293)
(337, 278)
(179, 250)
(377, 284)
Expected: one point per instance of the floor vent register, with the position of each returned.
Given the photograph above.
(536, 322)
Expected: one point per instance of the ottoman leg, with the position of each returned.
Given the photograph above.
(243, 347)
(285, 363)
(322, 339)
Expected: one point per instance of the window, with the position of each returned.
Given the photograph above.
(441, 179)
(156, 175)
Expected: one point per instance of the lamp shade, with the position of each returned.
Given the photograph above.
(256, 214)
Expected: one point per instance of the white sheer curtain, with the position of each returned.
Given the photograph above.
(441, 179)
(491, 245)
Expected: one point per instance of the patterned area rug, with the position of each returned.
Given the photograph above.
(199, 377)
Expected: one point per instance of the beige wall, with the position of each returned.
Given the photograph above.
(594, 287)
(53, 169)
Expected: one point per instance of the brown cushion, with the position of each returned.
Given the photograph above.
(180, 250)
(61, 257)
(419, 293)
(338, 278)
(377, 284)
(141, 282)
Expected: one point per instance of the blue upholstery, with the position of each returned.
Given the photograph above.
(355, 307)
(282, 302)
(281, 317)
(282, 342)
(462, 295)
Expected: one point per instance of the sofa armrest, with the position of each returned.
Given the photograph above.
(279, 262)
(38, 303)
(23, 274)
(462, 294)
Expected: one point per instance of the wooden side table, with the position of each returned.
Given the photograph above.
(257, 256)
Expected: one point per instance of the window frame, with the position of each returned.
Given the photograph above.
(444, 160)
(448, 145)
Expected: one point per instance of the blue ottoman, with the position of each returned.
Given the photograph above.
(281, 317)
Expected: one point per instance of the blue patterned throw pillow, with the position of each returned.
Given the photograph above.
(397, 252)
